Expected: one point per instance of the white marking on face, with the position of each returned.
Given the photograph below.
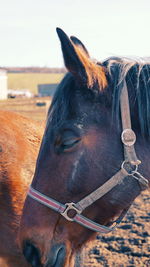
(75, 165)
(80, 126)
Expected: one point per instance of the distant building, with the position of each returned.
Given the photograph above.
(3, 84)
(47, 89)
(19, 93)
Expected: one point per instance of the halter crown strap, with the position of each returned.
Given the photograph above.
(128, 137)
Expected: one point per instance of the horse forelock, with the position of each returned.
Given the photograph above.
(95, 73)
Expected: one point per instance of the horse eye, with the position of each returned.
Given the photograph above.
(65, 144)
(68, 143)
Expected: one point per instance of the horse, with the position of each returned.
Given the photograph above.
(93, 159)
(19, 143)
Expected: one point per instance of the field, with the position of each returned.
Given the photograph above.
(27, 107)
(31, 80)
(129, 245)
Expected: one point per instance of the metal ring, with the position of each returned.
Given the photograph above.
(70, 206)
(132, 171)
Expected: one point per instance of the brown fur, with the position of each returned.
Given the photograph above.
(95, 73)
(19, 144)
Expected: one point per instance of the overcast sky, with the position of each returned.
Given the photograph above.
(106, 27)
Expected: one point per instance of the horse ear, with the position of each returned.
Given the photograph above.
(71, 58)
(77, 42)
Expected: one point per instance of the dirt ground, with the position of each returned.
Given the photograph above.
(127, 246)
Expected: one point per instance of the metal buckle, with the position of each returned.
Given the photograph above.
(128, 137)
(69, 207)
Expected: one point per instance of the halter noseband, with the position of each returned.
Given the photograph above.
(129, 168)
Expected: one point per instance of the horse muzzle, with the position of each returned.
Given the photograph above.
(56, 257)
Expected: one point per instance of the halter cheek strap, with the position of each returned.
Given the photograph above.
(129, 168)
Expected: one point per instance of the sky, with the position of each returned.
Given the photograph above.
(106, 27)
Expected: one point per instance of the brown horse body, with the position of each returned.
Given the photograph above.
(19, 144)
(82, 149)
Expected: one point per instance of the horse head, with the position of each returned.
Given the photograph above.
(81, 150)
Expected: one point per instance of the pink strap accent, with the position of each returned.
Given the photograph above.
(57, 206)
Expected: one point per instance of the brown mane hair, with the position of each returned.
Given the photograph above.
(95, 73)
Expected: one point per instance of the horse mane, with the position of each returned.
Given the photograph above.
(136, 73)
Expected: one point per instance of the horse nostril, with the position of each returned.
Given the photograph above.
(32, 255)
(57, 256)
